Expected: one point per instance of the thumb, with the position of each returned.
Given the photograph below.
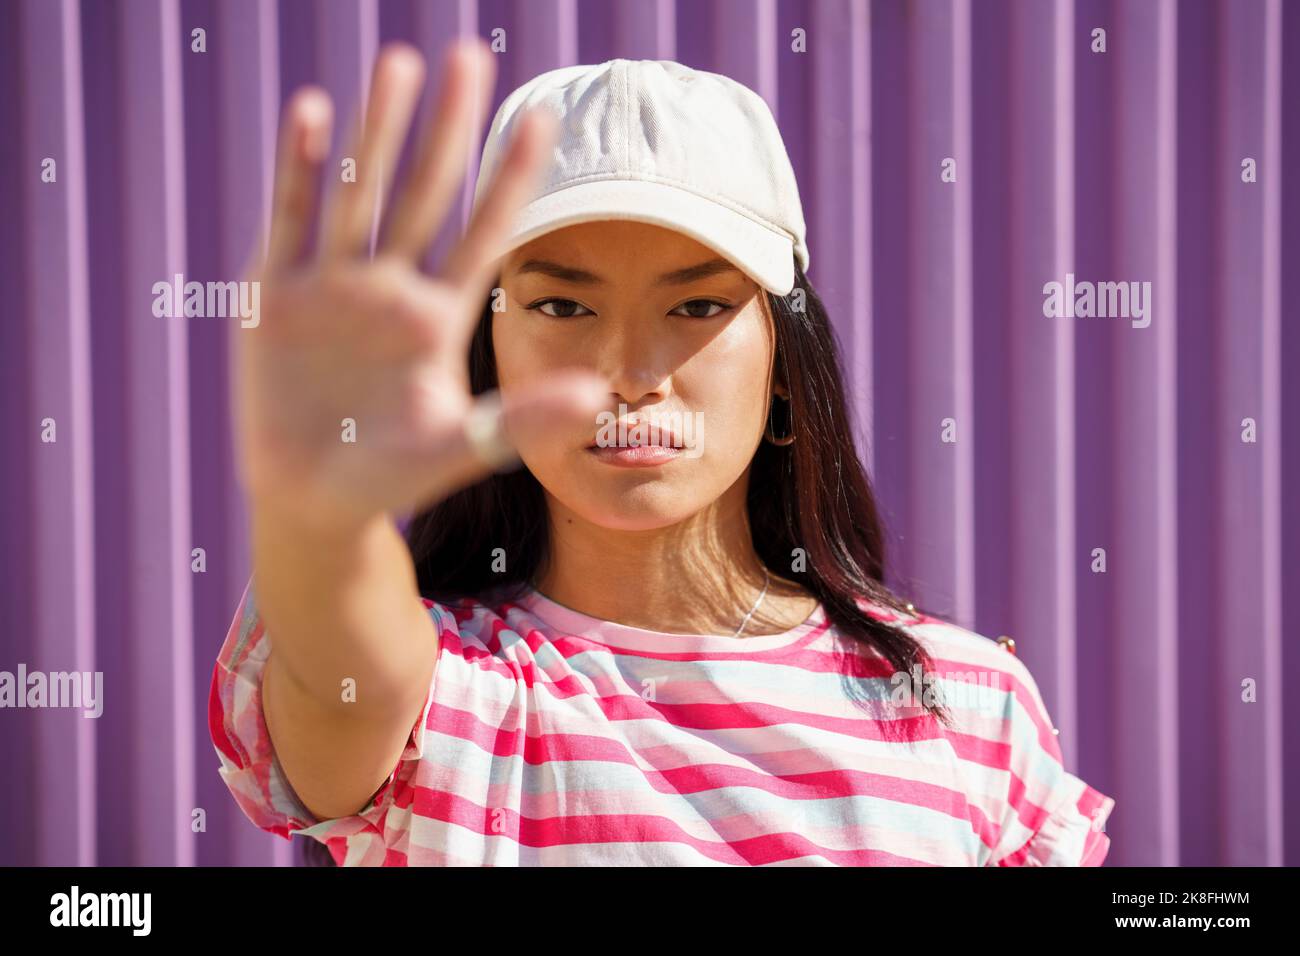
(501, 424)
(564, 404)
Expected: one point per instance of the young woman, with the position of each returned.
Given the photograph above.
(665, 638)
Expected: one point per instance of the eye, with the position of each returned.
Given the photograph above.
(564, 305)
(701, 303)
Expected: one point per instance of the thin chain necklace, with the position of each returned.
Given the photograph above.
(767, 579)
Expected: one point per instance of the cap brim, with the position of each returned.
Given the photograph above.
(765, 255)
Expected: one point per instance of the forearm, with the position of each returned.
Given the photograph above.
(341, 603)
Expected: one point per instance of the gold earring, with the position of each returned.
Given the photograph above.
(770, 435)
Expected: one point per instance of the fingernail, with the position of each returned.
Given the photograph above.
(404, 57)
(313, 109)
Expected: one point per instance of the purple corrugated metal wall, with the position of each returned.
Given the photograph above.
(953, 157)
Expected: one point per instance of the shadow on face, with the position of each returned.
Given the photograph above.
(685, 340)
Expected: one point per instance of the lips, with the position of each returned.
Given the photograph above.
(640, 456)
(637, 433)
(636, 443)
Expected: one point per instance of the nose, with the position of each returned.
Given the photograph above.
(634, 361)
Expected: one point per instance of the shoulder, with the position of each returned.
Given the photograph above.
(1045, 815)
(474, 622)
(958, 651)
(988, 690)
(958, 648)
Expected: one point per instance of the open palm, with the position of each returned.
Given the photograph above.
(352, 392)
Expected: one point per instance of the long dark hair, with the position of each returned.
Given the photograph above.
(812, 494)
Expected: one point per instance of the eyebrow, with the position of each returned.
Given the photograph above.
(582, 277)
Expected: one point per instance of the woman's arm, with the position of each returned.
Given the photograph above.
(353, 650)
(351, 401)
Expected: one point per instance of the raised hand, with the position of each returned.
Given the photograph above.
(344, 337)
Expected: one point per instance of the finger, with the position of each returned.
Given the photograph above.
(561, 406)
(473, 262)
(302, 148)
(394, 91)
(464, 95)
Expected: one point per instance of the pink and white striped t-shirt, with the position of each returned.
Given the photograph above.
(554, 738)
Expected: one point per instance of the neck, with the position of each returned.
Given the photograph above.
(698, 576)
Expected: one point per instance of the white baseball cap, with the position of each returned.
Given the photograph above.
(658, 142)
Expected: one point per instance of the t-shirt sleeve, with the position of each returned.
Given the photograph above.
(248, 763)
(1051, 817)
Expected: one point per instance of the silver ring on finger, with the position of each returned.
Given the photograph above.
(484, 429)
